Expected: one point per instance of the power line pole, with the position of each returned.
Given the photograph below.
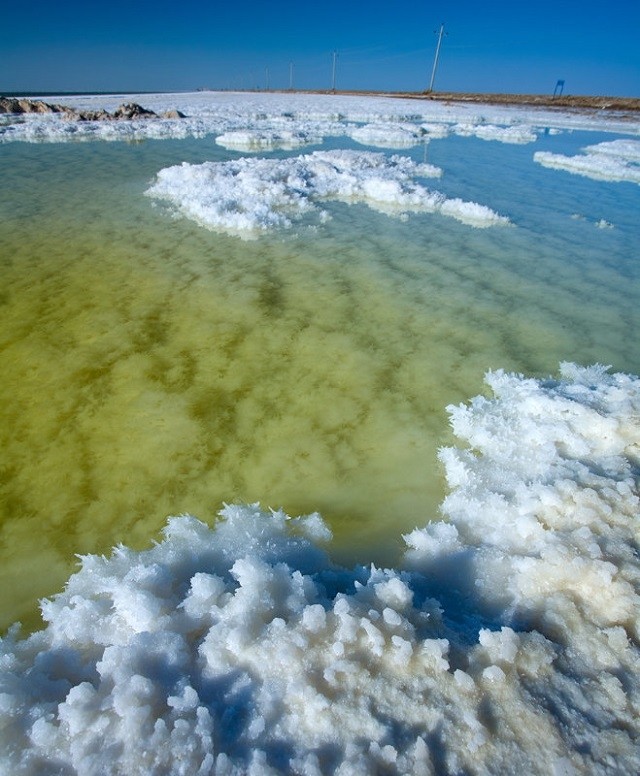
(266, 77)
(290, 76)
(333, 72)
(435, 59)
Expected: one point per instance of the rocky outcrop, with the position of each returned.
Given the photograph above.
(87, 115)
(126, 111)
(131, 110)
(24, 105)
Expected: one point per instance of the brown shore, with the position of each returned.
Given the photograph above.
(564, 102)
(544, 100)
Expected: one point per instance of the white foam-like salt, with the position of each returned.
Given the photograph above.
(615, 160)
(242, 649)
(251, 195)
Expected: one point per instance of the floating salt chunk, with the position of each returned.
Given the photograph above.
(388, 135)
(511, 134)
(261, 140)
(616, 160)
(249, 196)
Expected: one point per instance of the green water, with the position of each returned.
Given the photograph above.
(151, 367)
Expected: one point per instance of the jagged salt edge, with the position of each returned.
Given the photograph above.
(615, 160)
(263, 643)
(246, 195)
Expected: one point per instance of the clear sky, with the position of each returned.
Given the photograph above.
(124, 45)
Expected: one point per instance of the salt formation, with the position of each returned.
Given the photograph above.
(514, 134)
(245, 196)
(506, 642)
(389, 135)
(319, 115)
(614, 160)
(434, 131)
(265, 140)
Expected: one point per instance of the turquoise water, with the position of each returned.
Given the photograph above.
(151, 367)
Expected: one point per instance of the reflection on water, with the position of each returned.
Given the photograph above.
(150, 367)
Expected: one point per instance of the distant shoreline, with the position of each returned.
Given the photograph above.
(532, 100)
(571, 101)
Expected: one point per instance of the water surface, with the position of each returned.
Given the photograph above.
(152, 367)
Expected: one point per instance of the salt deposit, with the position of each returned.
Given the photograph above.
(389, 135)
(54, 129)
(318, 115)
(513, 134)
(253, 140)
(619, 149)
(435, 130)
(251, 195)
(243, 649)
(616, 160)
(335, 109)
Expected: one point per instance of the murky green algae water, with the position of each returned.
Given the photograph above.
(150, 367)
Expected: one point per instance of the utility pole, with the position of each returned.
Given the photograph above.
(266, 77)
(290, 76)
(435, 59)
(333, 73)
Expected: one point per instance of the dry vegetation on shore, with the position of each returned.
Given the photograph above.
(567, 101)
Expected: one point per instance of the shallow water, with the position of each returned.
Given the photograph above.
(152, 367)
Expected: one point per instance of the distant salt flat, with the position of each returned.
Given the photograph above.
(317, 115)
(244, 650)
(361, 109)
(616, 160)
(247, 196)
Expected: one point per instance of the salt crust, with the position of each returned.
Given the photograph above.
(54, 129)
(519, 134)
(249, 195)
(320, 116)
(257, 140)
(506, 642)
(389, 135)
(614, 160)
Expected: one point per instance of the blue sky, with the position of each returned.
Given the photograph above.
(502, 47)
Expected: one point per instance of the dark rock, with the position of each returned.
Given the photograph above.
(131, 110)
(126, 111)
(26, 105)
